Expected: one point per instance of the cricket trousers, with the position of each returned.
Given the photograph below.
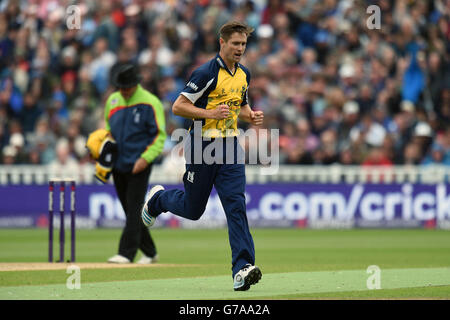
(131, 190)
(229, 182)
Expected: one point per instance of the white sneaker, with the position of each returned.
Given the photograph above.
(148, 219)
(247, 276)
(148, 260)
(118, 259)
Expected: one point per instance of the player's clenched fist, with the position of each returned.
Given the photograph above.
(257, 117)
(221, 112)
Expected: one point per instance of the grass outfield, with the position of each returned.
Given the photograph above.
(296, 264)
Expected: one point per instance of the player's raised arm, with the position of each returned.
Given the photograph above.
(183, 107)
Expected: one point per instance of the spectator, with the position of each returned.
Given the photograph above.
(101, 64)
(413, 79)
(377, 157)
(412, 154)
(65, 165)
(17, 141)
(157, 52)
(350, 117)
(437, 155)
(9, 155)
(44, 141)
(30, 113)
(423, 136)
(368, 133)
(346, 157)
(298, 155)
(309, 140)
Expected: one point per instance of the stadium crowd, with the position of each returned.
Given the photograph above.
(338, 91)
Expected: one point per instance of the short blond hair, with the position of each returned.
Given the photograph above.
(231, 27)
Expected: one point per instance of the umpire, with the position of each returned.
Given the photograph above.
(135, 119)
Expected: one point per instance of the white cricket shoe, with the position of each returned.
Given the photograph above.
(148, 219)
(119, 259)
(148, 260)
(247, 276)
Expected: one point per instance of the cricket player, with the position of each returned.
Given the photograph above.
(215, 96)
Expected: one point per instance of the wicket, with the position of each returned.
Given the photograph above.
(51, 189)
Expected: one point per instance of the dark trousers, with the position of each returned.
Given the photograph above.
(131, 190)
(229, 181)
